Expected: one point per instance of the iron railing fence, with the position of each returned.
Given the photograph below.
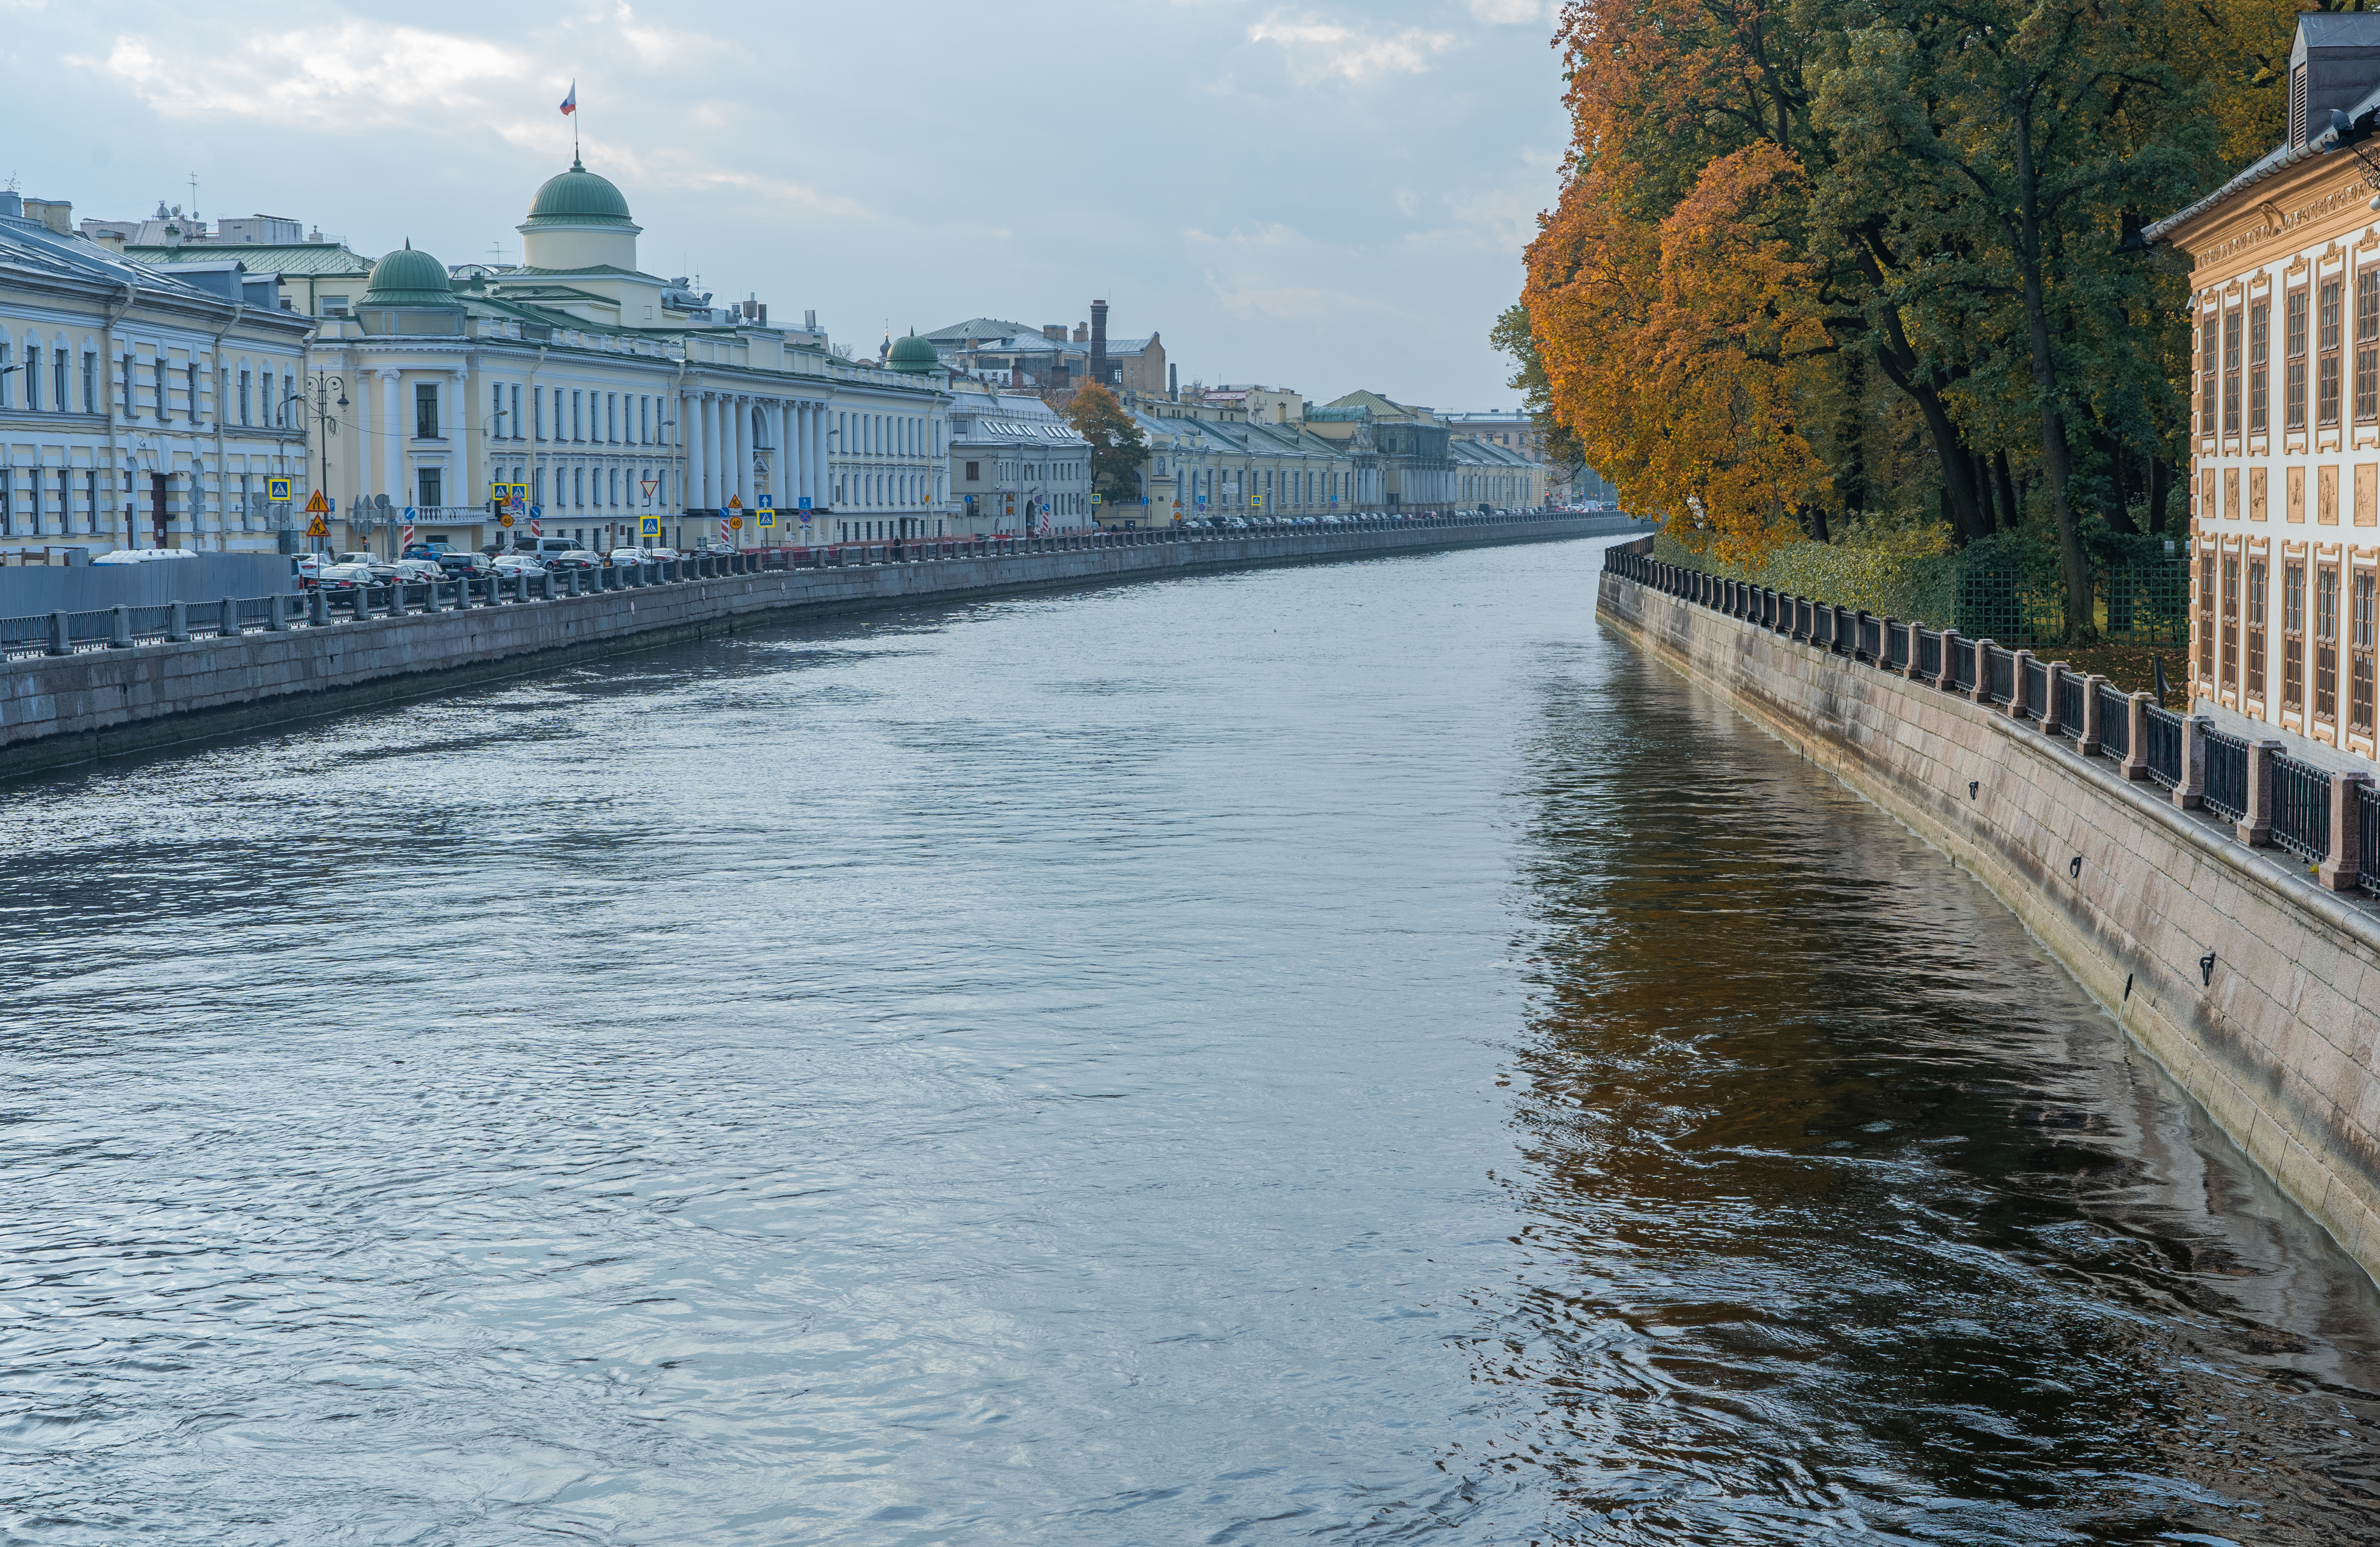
(2114, 722)
(1822, 627)
(1929, 654)
(1871, 638)
(2226, 790)
(1896, 647)
(2163, 753)
(2300, 807)
(1962, 666)
(2070, 691)
(2000, 687)
(2036, 689)
(2367, 829)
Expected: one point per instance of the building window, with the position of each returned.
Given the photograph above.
(165, 409)
(517, 420)
(974, 474)
(2206, 620)
(2294, 636)
(244, 388)
(2294, 402)
(58, 388)
(496, 414)
(2359, 692)
(7, 378)
(2367, 347)
(432, 485)
(2231, 621)
(2326, 644)
(2231, 371)
(578, 424)
(536, 407)
(2256, 687)
(425, 411)
(90, 394)
(33, 379)
(2326, 339)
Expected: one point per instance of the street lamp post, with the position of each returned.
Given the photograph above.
(319, 401)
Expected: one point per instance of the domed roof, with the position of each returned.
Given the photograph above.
(577, 198)
(913, 355)
(408, 278)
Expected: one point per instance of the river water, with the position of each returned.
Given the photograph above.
(1345, 1052)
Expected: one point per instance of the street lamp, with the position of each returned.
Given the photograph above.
(319, 401)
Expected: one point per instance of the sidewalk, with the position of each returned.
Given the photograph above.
(2330, 760)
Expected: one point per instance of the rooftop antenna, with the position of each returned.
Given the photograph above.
(194, 198)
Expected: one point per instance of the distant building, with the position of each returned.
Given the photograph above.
(139, 404)
(1518, 430)
(1049, 357)
(1016, 465)
(1416, 469)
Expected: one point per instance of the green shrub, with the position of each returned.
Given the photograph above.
(1908, 572)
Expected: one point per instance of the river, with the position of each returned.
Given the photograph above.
(1347, 1051)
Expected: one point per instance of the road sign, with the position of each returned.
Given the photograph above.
(536, 528)
(736, 523)
(735, 502)
(804, 504)
(1094, 502)
(537, 512)
(318, 529)
(766, 518)
(277, 490)
(650, 486)
(648, 526)
(318, 506)
(503, 520)
(518, 501)
(409, 535)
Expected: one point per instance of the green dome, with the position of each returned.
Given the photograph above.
(913, 355)
(577, 198)
(408, 278)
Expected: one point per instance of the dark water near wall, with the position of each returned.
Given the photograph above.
(1345, 1054)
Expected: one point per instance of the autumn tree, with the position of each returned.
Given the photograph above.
(1117, 443)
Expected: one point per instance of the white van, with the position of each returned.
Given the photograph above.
(547, 545)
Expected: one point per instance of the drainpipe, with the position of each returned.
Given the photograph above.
(537, 431)
(223, 467)
(116, 311)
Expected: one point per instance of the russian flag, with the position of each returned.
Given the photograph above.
(570, 103)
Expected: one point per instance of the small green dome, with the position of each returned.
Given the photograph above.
(408, 278)
(578, 197)
(913, 355)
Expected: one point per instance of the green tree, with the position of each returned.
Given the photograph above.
(1557, 443)
(1117, 444)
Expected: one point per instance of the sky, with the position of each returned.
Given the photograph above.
(1325, 197)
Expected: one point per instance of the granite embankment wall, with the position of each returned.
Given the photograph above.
(2276, 1038)
(63, 710)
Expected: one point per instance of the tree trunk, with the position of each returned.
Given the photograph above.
(2011, 509)
(2072, 562)
(2160, 485)
(1967, 522)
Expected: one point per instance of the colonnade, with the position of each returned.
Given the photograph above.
(722, 438)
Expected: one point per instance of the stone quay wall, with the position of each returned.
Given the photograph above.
(66, 709)
(2251, 982)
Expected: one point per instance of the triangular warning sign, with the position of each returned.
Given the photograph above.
(318, 506)
(735, 502)
(320, 528)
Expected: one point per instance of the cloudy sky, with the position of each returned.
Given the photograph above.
(1326, 196)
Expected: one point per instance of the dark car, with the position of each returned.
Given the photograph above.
(461, 566)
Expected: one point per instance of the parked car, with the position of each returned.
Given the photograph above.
(341, 576)
(358, 557)
(520, 564)
(644, 555)
(416, 571)
(461, 566)
(434, 551)
(574, 558)
(541, 548)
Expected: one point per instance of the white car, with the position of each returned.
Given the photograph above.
(643, 555)
(518, 564)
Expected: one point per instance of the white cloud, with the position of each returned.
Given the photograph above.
(1511, 12)
(357, 73)
(1320, 49)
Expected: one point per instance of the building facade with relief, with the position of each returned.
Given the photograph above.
(1015, 464)
(138, 406)
(2285, 401)
(612, 396)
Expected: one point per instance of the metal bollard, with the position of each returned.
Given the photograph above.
(318, 612)
(120, 634)
(230, 629)
(276, 619)
(430, 598)
(61, 637)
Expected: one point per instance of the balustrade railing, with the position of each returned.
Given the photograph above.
(2070, 700)
(1929, 654)
(2300, 807)
(2163, 753)
(2114, 722)
(2367, 829)
(2226, 774)
(1962, 666)
(2001, 666)
(2036, 689)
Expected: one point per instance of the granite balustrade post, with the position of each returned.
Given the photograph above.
(2254, 827)
(2135, 765)
(2189, 790)
(2341, 869)
(2053, 713)
(1948, 679)
(2017, 684)
(2087, 740)
(1982, 691)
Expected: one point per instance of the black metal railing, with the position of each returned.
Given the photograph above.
(1929, 653)
(2300, 807)
(2002, 665)
(1896, 647)
(2163, 753)
(2070, 691)
(2036, 689)
(2367, 828)
(1822, 627)
(2226, 775)
(1871, 638)
(2114, 722)
(1962, 666)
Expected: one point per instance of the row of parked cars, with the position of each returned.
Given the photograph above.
(1255, 523)
(425, 562)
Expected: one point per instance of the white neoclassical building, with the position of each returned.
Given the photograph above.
(614, 397)
(139, 406)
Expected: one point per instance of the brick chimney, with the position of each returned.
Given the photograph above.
(1100, 342)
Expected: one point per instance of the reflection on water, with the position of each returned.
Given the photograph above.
(1346, 1052)
(1843, 1208)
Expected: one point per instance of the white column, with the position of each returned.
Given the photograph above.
(814, 457)
(392, 445)
(689, 438)
(714, 470)
(780, 459)
(740, 411)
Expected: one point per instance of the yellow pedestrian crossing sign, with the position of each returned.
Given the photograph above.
(766, 516)
(318, 506)
(648, 526)
(277, 490)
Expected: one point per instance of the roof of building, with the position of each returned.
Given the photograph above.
(284, 259)
(980, 327)
(1381, 407)
(577, 198)
(30, 248)
(408, 278)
